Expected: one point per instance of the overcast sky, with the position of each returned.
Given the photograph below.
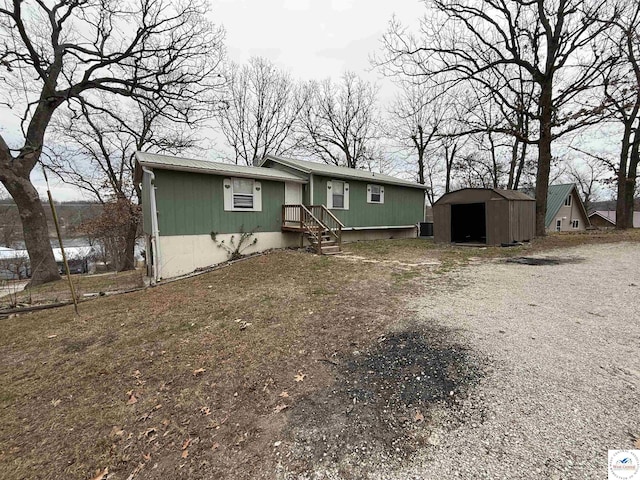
(307, 38)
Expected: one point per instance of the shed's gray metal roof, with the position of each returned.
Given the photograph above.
(167, 162)
(506, 194)
(339, 172)
(556, 196)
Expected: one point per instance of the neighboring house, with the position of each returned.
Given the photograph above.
(565, 210)
(607, 219)
(488, 216)
(191, 206)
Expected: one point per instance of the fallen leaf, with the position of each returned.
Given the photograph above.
(146, 456)
(198, 371)
(636, 444)
(132, 399)
(186, 443)
(185, 454)
(52, 336)
(101, 474)
(136, 374)
(205, 410)
(215, 446)
(55, 402)
(284, 395)
(300, 377)
(280, 407)
(418, 417)
(117, 431)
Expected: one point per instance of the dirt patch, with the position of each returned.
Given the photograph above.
(382, 404)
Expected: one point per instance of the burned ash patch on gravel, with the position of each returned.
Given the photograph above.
(384, 404)
(538, 261)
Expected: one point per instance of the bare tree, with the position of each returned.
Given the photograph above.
(488, 42)
(9, 222)
(95, 151)
(156, 51)
(622, 91)
(261, 106)
(586, 174)
(339, 123)
(416, 116)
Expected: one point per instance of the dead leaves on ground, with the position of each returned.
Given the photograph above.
(101, 474)
(132, 398)
(300, 376)
(199, 371)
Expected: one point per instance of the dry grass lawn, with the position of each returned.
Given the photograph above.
(193, 379)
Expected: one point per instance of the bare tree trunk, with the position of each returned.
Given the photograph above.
(128, 260)
(544, 158)
(630, 182)
(34, 226)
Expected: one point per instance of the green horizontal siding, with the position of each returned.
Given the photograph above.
(402, 205)
(193, 204)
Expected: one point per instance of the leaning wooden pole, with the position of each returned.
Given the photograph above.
(64, 255)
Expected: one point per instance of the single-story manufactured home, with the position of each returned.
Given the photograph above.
(195, 210)
(607, 219)
(565, 210)
(488, 216)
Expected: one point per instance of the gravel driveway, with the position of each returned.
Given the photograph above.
(562, 386)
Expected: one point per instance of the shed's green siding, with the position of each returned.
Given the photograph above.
(193, 204)
(402, 205)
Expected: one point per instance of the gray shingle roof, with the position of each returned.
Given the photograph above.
(340, 172)
(154, 160)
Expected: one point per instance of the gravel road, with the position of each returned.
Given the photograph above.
(562, 385)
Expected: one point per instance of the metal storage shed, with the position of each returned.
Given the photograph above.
(484, 215)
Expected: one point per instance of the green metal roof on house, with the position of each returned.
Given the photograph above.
(555, 199)
(339, 172)
(167, 162)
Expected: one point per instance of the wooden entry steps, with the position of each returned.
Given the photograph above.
(317, 224)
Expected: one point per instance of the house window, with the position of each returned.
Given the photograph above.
(375, 194)
(242, 195)
(242, 190)
(558, 225)
(567, 201)
(337, 194)
(575, 223)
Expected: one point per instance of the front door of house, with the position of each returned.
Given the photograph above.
(292, 196)
(292, 193)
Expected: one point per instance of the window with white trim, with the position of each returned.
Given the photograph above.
(242, 191)
(567, 201)
(575, 223)
(337, 193)
(375, 194)
(242, 194)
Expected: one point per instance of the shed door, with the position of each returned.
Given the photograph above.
(292, 193)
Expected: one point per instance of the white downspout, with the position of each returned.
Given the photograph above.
(155, 233)
(311, 189)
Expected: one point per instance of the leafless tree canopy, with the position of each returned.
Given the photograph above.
(163, 54)
(259, 111)
(339, 124)
(549, 51)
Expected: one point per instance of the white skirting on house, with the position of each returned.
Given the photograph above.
(356, 234)
(182, 254)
